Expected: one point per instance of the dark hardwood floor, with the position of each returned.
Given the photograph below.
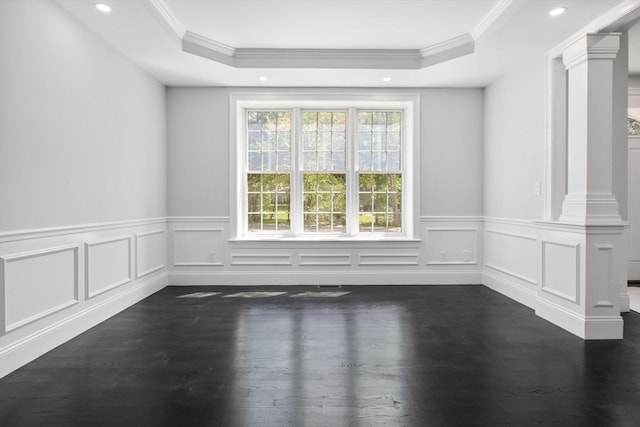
(380, 356)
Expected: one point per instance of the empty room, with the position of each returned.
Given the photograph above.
(319, 212)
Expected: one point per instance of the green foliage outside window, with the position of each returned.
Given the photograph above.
(633, 127)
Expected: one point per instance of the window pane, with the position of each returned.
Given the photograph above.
(268, 202)
(393, 160)
(268, 132)
(380, 202)
(379, 141)
(284, 161)
(325, 206)
(323, 137)
(365, 119)
(339, 162)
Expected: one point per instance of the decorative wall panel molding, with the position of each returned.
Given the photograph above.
(560, 269)
(107, 265)
(198, 247)
(37, 284)
(603, 264)
(325, 260)
(452, 245)
(50, 290)
(511, 250)
(261, 259)
(388, 259)
(150, 252)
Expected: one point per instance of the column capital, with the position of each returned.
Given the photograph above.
(591, 46)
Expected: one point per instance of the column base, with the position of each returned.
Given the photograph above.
(590, 209)
(585, 327)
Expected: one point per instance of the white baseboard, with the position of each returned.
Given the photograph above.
(509, 288)
(386, 277)
(21, 352)
(588, 328)
(625, 303)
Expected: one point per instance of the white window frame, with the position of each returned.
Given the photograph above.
(408, 104)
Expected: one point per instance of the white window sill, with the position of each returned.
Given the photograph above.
(325, 238)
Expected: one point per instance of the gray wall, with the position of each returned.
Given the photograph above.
(82, 130)
(514, 143)
(451, 150)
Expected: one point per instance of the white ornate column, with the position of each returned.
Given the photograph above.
(581, 255)
(589, 63)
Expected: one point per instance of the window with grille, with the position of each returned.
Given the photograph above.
(332, 172)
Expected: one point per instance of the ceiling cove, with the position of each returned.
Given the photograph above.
(398, 59)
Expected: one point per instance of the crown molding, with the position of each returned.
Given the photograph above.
(495, 12)
(168, 17)
(447, 45)
(207, 43)
(404, 59)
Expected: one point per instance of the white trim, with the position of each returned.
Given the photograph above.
(510, 288)
(410, 59)
(585, 327)
(194, 230)
(512, 274)
(511, 234)
(339, 260)
(279, 259)
(87, 247)
(240, 102)
(167, 15)
(511, 221)
(208, 43)
(37, 233)
(447, 45)
(324, 277)
(386, 259)
(428, 218)
(576, 248)
(139, 273)
(4, 260)
(610, 21)
(174, 219)
(496, 11)
(23, 351)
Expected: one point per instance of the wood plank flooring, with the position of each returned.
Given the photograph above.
(378, 356)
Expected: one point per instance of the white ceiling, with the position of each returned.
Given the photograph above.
(330, 24)
(500, 34)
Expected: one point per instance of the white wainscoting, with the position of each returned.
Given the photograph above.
(198, 241)
(194, 247)
(151, 252)
(37, 284)
(51, 290)
(634, 208)
(511, 259)
(107, 265)
(560, 269)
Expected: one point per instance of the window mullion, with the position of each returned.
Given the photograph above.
(296, 172)
(352, 172)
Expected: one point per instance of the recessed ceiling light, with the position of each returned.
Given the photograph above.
(104, 8)
(262, 78)
(557, 11)
(386, 79)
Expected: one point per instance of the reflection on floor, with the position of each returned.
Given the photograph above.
(323, 294)
(634, 295)
(199, 295)
(378, 356)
